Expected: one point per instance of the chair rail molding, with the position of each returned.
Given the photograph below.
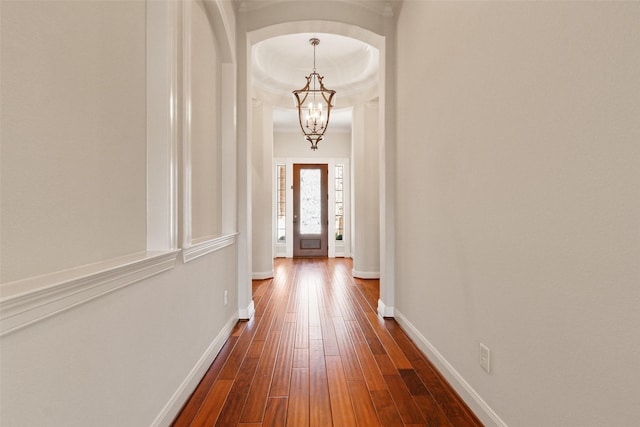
(31, 300)
(199, 249)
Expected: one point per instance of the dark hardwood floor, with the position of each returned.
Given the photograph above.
(316, 354)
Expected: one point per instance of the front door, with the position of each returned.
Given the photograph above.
(310, 222)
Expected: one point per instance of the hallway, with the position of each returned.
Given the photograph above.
(316, 353)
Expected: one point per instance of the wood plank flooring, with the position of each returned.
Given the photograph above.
(316, 354)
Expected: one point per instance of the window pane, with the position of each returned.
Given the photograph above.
(310, 201)
(339, 202)
(280, 203)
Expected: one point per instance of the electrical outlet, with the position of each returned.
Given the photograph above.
(485, 358)
(226, 297)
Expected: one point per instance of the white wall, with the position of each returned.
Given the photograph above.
(119, 359)
(115, 347)
(73, 134)
(293, 145)
(206, 179)
(518, 204)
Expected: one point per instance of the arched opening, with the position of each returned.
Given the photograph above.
(369, 159)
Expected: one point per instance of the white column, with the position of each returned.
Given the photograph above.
(245, 297)
(387, 172)
(262, 190)
(162, 126)
(365, 184)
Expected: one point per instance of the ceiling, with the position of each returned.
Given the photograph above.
(382, 7)
(280, 65)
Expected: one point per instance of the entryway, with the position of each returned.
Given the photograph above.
(310, 219)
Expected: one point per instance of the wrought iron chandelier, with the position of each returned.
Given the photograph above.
(314, 103)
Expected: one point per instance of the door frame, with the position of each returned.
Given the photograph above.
(323, 237)
(336, 248)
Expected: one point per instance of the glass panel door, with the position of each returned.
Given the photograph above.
(310, 202)
(310, 222)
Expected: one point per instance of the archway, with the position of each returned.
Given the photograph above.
(255, 26)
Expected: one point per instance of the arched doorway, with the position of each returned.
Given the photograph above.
(371, 32)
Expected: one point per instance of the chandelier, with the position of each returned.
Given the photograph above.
(314, 103)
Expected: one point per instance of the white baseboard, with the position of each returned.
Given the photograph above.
(247, 313)
(365, 274)
(385, 310)
(173, 406)
(280, 250)
(262, 275)
(457, 381)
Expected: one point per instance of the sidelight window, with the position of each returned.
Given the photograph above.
(339, 201)
(281, 203)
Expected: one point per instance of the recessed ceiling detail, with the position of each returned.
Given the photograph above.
(286, 120)
(281, 63)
